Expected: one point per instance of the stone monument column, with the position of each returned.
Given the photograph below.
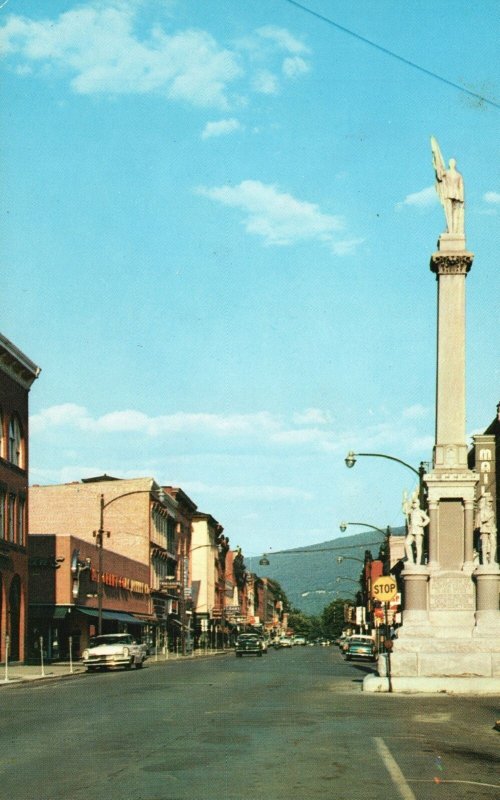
(450, 636)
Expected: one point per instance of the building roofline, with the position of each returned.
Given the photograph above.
(16, 363)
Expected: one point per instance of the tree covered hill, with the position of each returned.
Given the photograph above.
(309, 574)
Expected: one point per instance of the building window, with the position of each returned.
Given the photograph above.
(15, 442)
(1, 435)
(20, 520)
(2, 514)
(11, 517)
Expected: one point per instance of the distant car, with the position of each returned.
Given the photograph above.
(112, 650)
(285, 641)
(248, 644)
(361, 647)
(300, 640)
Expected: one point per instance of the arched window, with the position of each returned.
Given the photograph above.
(15, 442)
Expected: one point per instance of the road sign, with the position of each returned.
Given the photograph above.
(384, 589)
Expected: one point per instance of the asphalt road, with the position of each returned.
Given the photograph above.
(292, 724)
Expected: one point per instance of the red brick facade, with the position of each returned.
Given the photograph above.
(17, 374)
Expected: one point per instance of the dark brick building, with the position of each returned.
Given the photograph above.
(17, 374)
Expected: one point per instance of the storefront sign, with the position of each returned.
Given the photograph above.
(138, 587)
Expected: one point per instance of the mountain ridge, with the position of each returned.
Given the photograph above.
(309, 576)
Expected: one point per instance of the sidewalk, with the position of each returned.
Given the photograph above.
(27, 673)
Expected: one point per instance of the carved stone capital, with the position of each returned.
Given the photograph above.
(451, 263)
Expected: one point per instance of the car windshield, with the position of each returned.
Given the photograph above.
(248, 636)
(98, 640)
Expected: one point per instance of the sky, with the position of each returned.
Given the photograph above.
(216, 226)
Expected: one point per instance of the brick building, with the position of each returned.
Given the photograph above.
(208, 577)
(136, 521)
(17, 374)
(63, 593)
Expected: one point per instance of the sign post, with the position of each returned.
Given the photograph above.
(384, 590)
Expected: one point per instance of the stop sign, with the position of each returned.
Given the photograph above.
(384, 589)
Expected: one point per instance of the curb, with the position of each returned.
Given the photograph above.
(36, 680)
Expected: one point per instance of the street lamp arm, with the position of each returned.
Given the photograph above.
(125, 494)
(391, 458)
(343, 526)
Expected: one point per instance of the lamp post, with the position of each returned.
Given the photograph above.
(99, 537)
(351, 457)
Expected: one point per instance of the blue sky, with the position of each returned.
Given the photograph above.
(216, 225)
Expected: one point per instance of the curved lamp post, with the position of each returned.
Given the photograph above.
(351, 457)
(99, 540)
(340, 559)
(385, 533)
(264, 561)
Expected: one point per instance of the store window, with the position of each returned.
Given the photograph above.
(15, 442)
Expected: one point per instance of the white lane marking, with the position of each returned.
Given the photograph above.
(394, 771)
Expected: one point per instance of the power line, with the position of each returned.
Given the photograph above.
(394, 55)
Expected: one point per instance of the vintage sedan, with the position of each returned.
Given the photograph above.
(361, 647)
(248, 644)
(112, 650)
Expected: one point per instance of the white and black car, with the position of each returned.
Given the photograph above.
(112, 650)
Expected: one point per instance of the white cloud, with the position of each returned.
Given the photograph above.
(265, 492)
(265, 82)
(278, 217)
(416, 411)
(423, 199)
(312, 416)
(60, 416)
(283, 38)
(99, 47)
(131, 421)
(294, 67)
(491, 197)
(220, 128)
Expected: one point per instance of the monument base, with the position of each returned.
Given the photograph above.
(452, 645)
(443, 685)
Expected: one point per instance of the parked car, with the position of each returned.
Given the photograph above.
(248, 644)
(361, 647)
(112, 650)
(285, 641)
(300, 640)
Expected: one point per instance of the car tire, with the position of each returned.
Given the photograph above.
(238, 655)
(128, 665)
(260, 654)
(348, 658)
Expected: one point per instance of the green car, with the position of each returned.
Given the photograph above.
(361, 647)
(248, 644)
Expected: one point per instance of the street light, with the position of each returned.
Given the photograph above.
(99, 540)
(385, 533)
(340, 559)
(351, 457)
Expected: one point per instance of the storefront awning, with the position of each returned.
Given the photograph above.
(49, 612)
(118, 616)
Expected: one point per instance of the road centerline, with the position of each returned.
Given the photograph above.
(394, 770)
